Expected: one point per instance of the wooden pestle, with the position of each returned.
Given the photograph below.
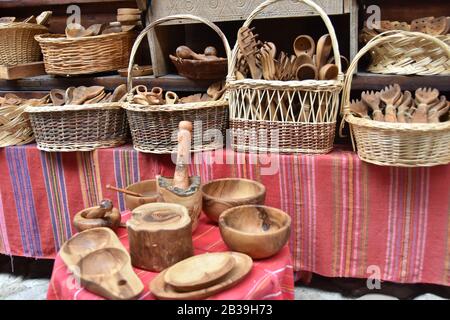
(131, 193)
(181, 176)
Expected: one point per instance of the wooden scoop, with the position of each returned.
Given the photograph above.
(324, 47)
(389, 96)
(373, 101)
(329, 72)
(171, 97)
(181, 176)
(424, 97)
(58, 97)
(304, 45)
(307, 71)
(131, 193)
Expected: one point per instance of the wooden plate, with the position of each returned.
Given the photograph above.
(200, 271)
(243, 264)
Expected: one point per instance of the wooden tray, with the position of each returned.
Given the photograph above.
(101, 262)
(20, 71)
(161, 290)
(200, 271)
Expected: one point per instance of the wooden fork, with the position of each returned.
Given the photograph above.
(424, 97)
(372, 99)
(438, 110)
(404, 106)
(389, 96)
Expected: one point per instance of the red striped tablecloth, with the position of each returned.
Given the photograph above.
(269, 279)
(349, 218)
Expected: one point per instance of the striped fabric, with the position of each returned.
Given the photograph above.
(269, 279)
(349, 218)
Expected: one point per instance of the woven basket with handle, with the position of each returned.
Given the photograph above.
(153, 128)
(78, 127)
(408, 55)
(17, 44)
(306, 111)
(396, 144)
(85, 55)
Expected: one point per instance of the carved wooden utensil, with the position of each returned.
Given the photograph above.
(329, 72)
(420, 24)
(58, 96)
(359, 108)
(131, 193)
(324, 47)
(82, 93)
(372, 100)
(248, 47)
(181, 175)
(43, 18)
(424, 97)
(438, 110)
(118, 93)
(75, 30)
(307, 71)
(304, 44)
(389, 96)
(184, 52)
(404, 107)
(437, 26)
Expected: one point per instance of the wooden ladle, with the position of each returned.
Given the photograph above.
(389, 96)
(307, 71)
(324, 47)
(58, 97)
(329, 72)
(424, 97)
(304, 44)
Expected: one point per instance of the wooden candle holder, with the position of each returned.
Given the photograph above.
(160, 235)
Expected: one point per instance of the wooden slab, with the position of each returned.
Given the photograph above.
(161, 290)
(22, 70)
(101, 262)
(200, 271)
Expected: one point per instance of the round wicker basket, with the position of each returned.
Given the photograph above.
(396, 144)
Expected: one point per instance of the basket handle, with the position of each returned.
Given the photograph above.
(310, 3)
(166, 19)
(388, 36)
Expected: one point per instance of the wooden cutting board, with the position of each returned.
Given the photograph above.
(200, 271)
(162, 290)
(20, 71)
(98, 258)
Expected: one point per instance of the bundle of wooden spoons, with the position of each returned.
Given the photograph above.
(201, 276)
(86, 95)
(393, 105)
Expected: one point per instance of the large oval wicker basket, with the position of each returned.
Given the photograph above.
(306, 111)
(86, 55)
(17, 43)
(396, 144)
(408, 55)
(78, 127)
(153, 128)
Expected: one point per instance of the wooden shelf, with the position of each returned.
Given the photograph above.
(46, 83)
(37, 3)
(372, 81)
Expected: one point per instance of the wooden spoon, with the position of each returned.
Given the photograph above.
(58, 97)
(329, 72)
(69, 95)
(404, 106)
(373, 101)
(359, 108)
(324, 47)
(131, 193)
(216, 90)
(82, 94)
(248, 47)
(119, 93)
(304, 44)
(344, 63)
(424, 96)
(184, 52)
(96, 99)
(438, 110)
(307, 71)
(389, 96)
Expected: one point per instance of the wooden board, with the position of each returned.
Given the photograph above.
(243, 265)
(22, 70)
(99, 260)
(199, 271)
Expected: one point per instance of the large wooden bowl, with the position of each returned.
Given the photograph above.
(222, 194)
(258, 231)
(146, 188)
(201, 69)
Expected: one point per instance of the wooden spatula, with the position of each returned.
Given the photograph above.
(425, 97)
(389, 96)
(372, 100)
(248, 47)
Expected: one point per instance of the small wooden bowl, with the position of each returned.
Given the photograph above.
(201, 69)
(244, 229)
(146, 188)
(222, 194)
(81, 223)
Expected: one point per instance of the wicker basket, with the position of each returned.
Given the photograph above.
(315, 101)
(17, 43)
(153, 128)
(107, 52)
(78, 127)
(396, 144)
(408, 55)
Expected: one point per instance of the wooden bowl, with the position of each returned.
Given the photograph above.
(146, 188)
(111, 221)
(201, 69)
(222, 194)
(258, 231)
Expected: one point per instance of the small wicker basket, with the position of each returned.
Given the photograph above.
(86, 55)
(308, 109)
(396, 144)
(153, 128)
(17, 43)
(78, 127)
(408, 55)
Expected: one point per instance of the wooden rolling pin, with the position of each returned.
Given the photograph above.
(181, 176)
